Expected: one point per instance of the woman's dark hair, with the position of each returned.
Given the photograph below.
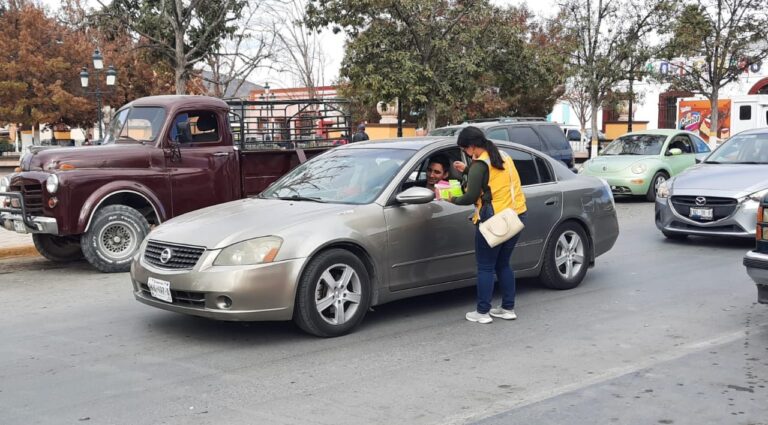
(473, 136)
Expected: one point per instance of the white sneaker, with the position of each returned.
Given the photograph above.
(503, 313)
(474, 316)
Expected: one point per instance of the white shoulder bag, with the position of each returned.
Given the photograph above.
(504, 225)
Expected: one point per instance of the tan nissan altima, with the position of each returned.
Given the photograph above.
(355, 227)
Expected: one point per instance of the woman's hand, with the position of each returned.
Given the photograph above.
(459, 166)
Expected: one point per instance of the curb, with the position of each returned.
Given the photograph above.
(18, 251)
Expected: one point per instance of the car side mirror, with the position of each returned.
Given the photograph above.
(674, 151)
(415, 195)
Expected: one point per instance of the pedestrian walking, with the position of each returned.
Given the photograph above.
(361, 135)
(493, 184)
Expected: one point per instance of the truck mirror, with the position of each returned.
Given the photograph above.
(183, 132)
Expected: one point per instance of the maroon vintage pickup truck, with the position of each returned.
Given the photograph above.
(162, 156)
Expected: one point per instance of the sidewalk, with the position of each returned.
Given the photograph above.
(16, 245)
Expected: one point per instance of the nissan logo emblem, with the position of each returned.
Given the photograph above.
(700, 200)
(166, 255)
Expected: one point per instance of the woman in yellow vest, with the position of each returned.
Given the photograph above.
(493, 184)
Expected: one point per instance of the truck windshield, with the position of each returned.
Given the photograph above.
(135, 124)
(345, 176)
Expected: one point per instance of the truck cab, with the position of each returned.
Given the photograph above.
(162, 156)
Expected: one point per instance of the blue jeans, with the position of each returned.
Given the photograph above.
(490, 260)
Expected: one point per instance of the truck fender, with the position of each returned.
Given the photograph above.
(98, 197)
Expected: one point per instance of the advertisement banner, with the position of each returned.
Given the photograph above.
(694, 116)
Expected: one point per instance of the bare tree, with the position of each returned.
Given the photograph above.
(717, 41)
(577, 97)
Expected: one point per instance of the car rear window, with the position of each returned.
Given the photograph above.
(498, 133)
(525, 136)
(554, 137)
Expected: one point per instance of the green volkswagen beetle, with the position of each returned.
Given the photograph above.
(637, 163)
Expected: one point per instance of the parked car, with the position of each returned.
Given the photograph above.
(720, 196)
(162, 156)
(536, 133)
(756, 261)
(355, 227)
(582, 142)
(638, 162)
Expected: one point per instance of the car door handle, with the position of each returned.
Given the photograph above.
(551, 201)
(221, 154)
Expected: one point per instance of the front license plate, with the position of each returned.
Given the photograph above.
(701, 213)
(160, 289)
(19, 227)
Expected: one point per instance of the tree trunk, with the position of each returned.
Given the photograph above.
(593, 142)
(714, 119)
(431, 116)
(180, 65)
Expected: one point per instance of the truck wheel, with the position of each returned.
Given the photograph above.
(58, 248)
(566, 257)
(658, 178)
(333, 294)
(114, 237)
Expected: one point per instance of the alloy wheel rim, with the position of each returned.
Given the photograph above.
(117, 240)
(569, 254)
(338, 294)
(659, 181)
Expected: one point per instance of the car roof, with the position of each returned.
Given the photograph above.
(411, 143)
(659, 132)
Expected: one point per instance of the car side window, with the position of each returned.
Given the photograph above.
(545, 173)
(418, 175)
(525, 136)
(701, 146)
(681, 142)
(498, 133)
(574, 135)
(203, 127)
(553, 136)
(526, 167)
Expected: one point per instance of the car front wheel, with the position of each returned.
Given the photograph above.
(333, 294)
(658, 178)
(566, 257)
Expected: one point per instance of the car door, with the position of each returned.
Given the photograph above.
(429, 243)
(544, 201)
(206, 170)
(678, 163)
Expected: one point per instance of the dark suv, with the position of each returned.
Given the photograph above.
(537, 133)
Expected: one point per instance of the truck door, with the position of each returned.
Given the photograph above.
(204, 170)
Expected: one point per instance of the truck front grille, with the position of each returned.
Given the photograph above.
(32, 192)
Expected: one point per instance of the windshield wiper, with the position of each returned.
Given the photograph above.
(712, 162)
(300, 198)
(750, 162)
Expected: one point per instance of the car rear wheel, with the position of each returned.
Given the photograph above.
(566, 257)
(58, 248)
(333, 294)
(114, 237)
(658, 178)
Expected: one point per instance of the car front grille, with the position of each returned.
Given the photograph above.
(182, 257)
(31, 191)
(721, 207)
(182, 298)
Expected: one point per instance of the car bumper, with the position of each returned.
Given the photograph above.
(740, 223)
(258, 293)
(757, 268)
(622, 185)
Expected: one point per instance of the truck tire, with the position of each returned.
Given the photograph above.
(334, 282)
(58, 248)
(115, 235)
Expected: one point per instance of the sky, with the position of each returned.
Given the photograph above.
(333, 44)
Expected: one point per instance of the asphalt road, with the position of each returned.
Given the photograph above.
(659, 333)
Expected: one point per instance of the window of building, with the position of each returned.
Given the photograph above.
(745, 112)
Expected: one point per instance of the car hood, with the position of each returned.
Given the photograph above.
(614, 163)
(222, 225)
(734, 179)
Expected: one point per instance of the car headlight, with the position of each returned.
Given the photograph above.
(52, 183)
(663, 190)
(639, 168)
(250, 252)
(5, 183)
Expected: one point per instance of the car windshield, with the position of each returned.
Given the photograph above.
(447, 131)
(742, 149)
(636, 144)
(135, 125)
(344, 176)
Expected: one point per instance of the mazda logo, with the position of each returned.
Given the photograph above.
(166, 255)
(700, 200)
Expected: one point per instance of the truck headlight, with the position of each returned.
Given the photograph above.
(664, 190)
(250, 252)
(5, 183)
(52, 184)
(639, 168)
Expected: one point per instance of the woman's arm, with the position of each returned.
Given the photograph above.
(476, 177)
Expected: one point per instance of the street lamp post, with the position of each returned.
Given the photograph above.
(111, 79)
(266, 97)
